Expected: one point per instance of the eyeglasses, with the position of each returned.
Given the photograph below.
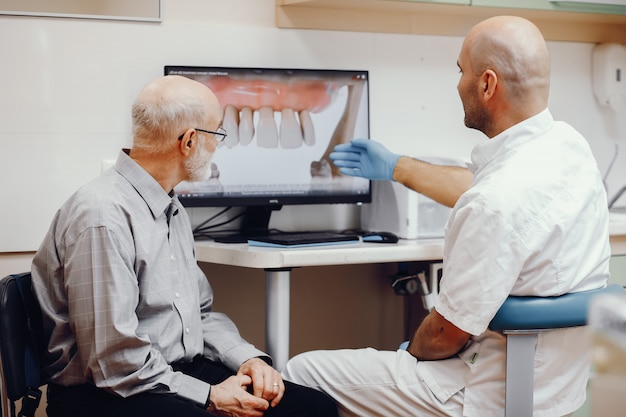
(220, 134)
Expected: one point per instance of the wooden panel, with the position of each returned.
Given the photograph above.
(391, 16)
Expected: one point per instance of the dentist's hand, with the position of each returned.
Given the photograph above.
(365, 158)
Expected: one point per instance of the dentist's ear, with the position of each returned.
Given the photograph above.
(490, 80)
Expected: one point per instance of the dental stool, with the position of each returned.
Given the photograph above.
(521, 319)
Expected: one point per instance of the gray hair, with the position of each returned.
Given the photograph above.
(158, 121)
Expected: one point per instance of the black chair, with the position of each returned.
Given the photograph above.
(21, 345)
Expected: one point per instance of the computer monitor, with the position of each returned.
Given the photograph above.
(281, 126)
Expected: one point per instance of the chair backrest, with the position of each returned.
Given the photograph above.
(21, 344)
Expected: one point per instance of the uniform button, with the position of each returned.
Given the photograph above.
(172, 258)
(187, 330)
(177, 295)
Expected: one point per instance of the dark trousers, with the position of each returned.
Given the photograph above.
(88, 401)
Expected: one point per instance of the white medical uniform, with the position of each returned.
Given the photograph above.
(534, 222)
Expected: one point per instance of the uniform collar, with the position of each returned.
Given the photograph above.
(513, 137)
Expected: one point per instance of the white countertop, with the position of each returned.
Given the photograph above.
(242, 254)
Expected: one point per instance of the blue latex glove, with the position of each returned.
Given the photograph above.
(365, 158)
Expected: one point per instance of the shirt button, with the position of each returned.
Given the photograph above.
(177, 295)
(187, 330)
(172, 258)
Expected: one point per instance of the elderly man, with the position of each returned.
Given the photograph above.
(530, 218)
(126, 309)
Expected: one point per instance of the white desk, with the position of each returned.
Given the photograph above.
(278, 263)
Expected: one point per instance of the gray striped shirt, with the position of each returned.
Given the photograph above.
(122, 295)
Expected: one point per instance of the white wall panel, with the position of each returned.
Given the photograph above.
(66, 87)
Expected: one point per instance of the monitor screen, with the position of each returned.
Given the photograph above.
(281, 125)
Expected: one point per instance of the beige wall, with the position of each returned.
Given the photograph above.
(12, 263)
(331, 307)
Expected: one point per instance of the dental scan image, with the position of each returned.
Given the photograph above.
(281, 126)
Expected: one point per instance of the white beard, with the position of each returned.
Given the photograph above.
(198, 166)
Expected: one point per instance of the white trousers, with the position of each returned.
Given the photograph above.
(371, 383)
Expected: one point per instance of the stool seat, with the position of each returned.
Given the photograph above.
(537, 313)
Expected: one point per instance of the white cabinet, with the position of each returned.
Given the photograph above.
(558, 20)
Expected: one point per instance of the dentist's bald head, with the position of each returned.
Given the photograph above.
(513, 51)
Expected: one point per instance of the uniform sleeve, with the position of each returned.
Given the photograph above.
(482, 259)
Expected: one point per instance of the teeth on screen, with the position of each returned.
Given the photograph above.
(267, 132)
(246, 126)
(308, 130)
(295, 129)
(290, 131)
(231, 125)
(321, 169)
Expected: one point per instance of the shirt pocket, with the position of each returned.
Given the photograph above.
(442, 377)
(447, 377)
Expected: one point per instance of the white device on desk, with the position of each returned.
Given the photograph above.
(409, 215)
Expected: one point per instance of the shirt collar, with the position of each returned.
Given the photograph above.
(511, 138)
(146, 186)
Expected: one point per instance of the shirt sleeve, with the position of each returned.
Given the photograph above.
(222, 340)
(483, 258)
(103, 295)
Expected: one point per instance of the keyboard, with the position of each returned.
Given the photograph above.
(298, 239)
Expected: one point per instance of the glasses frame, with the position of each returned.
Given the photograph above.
(220, 134)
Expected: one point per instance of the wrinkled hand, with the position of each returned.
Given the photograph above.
(266, 381)
(365, 158)
(230, 398)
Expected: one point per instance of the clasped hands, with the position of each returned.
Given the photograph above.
(365, 158)
(232, 397)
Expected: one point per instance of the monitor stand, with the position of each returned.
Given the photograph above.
(255, 222)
